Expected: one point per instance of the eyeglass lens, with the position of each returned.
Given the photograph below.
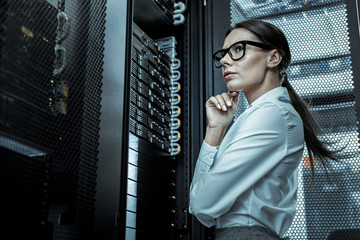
(236, 52)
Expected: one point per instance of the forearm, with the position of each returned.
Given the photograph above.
(214, 135)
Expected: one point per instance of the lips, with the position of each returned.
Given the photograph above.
(228, 74)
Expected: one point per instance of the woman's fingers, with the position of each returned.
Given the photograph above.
(234, 97)
(232, 94)
(223, 101)
(220, 109)
(213, 100)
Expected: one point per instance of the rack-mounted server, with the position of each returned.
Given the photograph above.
(153, 98)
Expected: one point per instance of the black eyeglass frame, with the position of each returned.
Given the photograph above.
(244, 43)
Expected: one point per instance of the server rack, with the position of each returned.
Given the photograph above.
(147, 143)
(51, 65)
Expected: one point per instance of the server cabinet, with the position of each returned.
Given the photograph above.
(51, 70)
(148, 139)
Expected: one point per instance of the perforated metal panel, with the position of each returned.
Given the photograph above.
(321, 73)
(51, 72)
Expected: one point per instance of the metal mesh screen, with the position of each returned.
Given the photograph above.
(321, 74)
(50, 86)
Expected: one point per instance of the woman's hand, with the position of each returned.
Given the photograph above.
(220, 109)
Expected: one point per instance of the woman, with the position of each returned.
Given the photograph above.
(245, 182)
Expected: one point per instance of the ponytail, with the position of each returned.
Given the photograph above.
(316, 149)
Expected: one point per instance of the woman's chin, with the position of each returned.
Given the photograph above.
(232, 88)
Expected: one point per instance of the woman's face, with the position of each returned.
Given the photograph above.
(248, 73)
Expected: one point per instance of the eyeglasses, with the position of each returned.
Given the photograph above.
(236, 51)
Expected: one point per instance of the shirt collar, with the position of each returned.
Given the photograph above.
(279, 93)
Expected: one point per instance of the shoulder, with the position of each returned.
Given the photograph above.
(269, 113)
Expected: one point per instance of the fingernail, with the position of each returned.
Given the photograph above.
(218, 106)
(228, 103)
(224, 108)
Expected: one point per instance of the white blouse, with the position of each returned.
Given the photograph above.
(251, 178)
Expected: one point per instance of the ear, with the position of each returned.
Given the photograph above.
(274, 58)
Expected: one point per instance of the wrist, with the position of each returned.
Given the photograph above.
(214, 135)
(217, 125)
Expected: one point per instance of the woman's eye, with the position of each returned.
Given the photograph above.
(238, 48)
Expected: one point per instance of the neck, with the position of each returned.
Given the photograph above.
(270, 82)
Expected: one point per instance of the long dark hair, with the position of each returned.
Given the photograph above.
(274, 37)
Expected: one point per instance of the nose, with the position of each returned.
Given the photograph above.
(226, 60)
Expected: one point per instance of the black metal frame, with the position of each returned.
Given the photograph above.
(112, 164)
(195, 94)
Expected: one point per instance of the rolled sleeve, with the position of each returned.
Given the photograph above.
(203, 164)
